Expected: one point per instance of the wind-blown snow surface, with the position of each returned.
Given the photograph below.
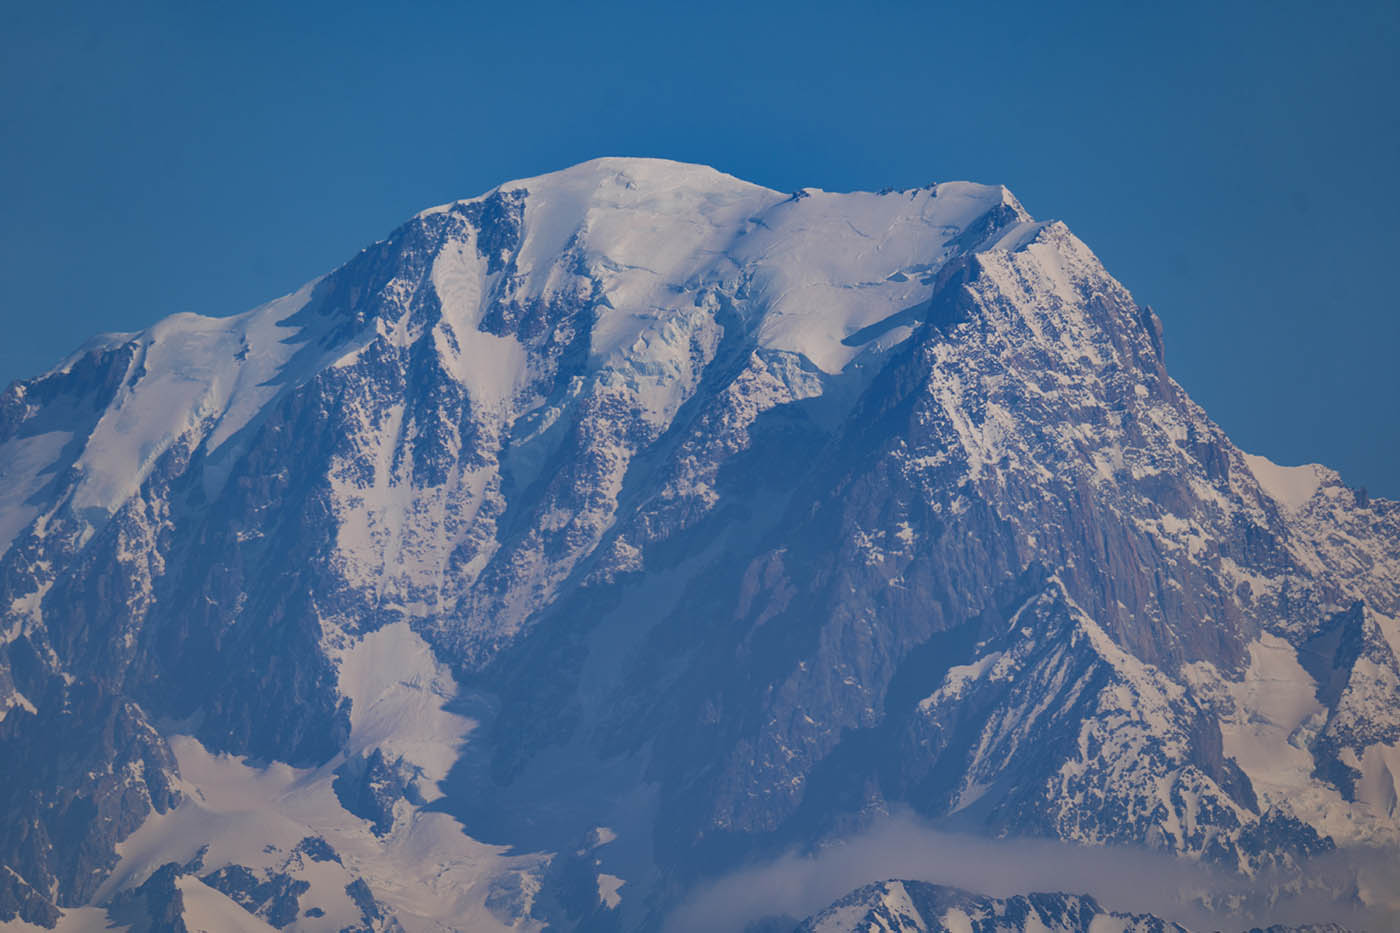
(585, 539)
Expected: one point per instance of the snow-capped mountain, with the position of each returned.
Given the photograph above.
(600, 535)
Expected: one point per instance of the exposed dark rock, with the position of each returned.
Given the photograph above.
(19, 899)
(370, 785)
(156, 906)
(373, 917)
(318, 850)
(364, 899)
(272, 896)
(196, 863)
(76, 778)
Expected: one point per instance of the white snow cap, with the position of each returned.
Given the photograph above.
(821, 265)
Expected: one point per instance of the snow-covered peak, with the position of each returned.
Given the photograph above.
(619, 181)
(827, 276)
(816, 267)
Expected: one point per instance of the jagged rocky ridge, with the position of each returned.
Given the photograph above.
(919, 907)
(910, 906)
(642, 506)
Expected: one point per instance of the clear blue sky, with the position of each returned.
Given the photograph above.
(1234, 164)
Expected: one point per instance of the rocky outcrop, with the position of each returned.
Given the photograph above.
(369, 786)
(272, 896)
(80, 769)
(155, 906)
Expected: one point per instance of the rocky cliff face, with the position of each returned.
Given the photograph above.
(647, 522)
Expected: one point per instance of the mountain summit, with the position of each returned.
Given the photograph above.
(588, 540)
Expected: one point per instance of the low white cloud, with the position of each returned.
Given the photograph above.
(1119, 878)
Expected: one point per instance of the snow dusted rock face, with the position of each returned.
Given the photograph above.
(587, 538)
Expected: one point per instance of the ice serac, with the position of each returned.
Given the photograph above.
(583, 540)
